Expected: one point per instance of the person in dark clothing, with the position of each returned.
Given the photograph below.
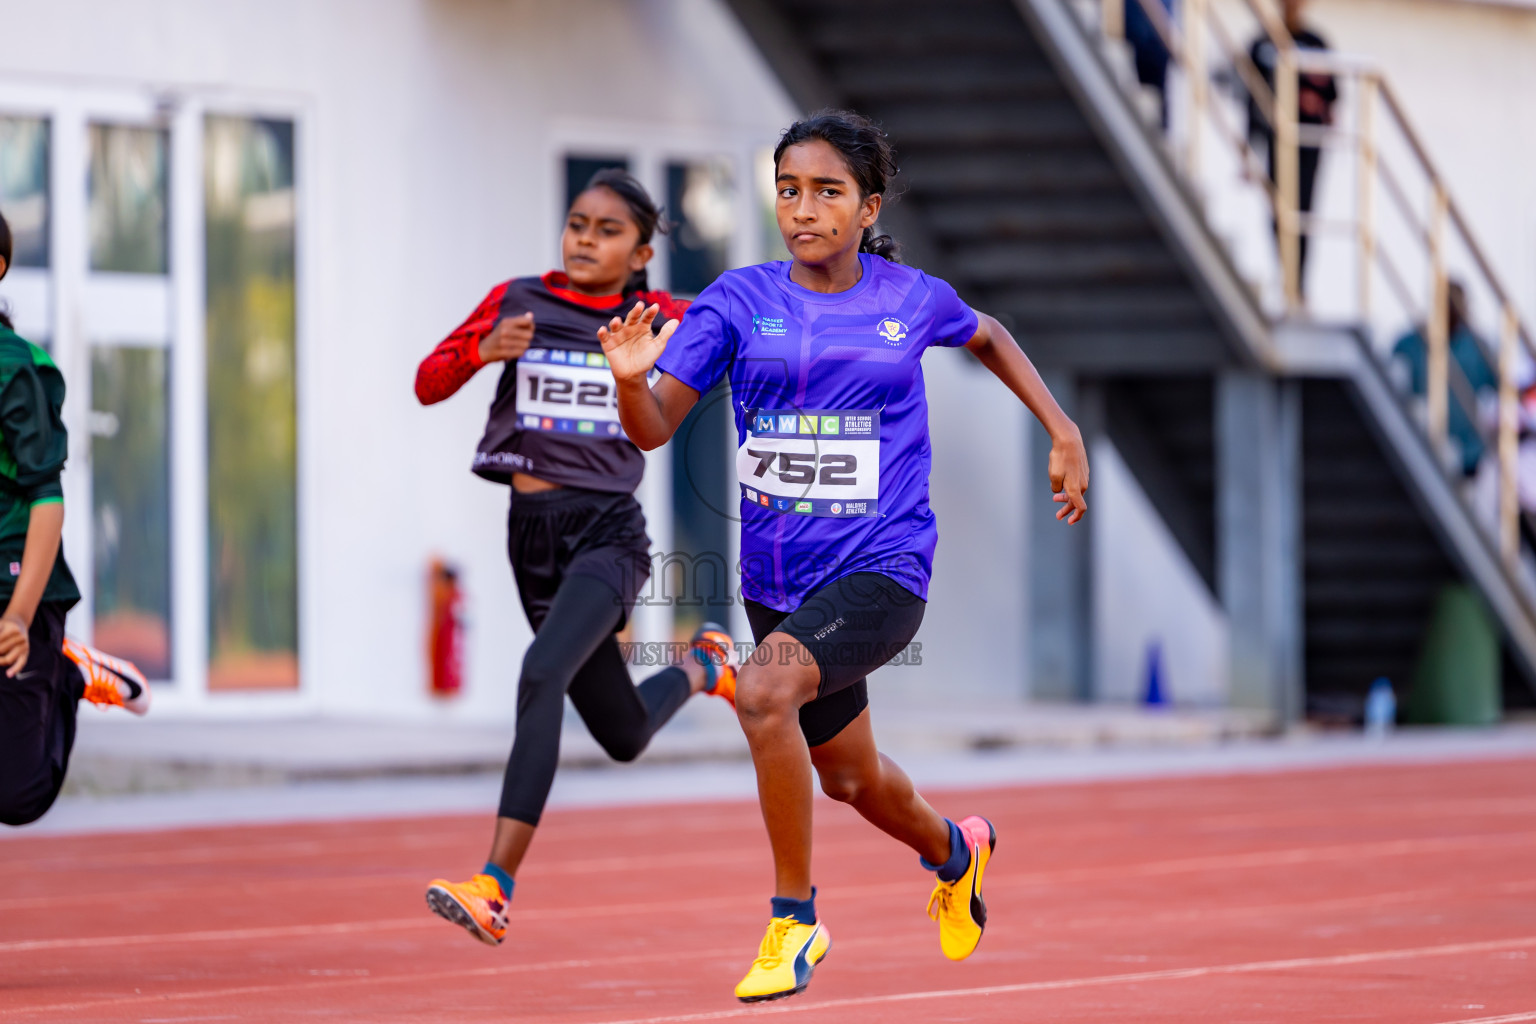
(46, 675)
(575, 533)
(1315, 97)
(1149, 50)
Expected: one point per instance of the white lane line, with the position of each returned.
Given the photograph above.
(1512, 1018)
(1176, 974)
(425, 920)
(673, 956)
(293, 931)
(1302, 855)
(1233, 861)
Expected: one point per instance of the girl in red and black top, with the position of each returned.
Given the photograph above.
(575, 534)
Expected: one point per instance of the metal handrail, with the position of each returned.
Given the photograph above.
(1431, 230)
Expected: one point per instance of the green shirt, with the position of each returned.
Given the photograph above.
(33, 447)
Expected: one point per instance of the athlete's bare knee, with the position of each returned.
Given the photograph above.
(762, 700)
(843, 785)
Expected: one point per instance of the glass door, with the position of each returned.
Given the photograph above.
(126, 306)
(156, 258)
(251, 301)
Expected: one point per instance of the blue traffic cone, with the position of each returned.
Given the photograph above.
(1152, 694)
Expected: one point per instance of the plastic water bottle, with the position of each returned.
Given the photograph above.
(1380, 709)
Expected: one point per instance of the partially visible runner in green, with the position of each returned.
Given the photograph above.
(46, 674)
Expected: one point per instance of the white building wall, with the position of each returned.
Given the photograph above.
(431, 134)
(1464, 71)
(1466, 74)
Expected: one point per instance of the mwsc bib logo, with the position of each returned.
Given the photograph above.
(891, 331)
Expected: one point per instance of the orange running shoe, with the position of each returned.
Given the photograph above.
(478, 906)
(109, 681)
(716, 651)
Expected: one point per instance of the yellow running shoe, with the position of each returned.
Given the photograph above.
(716, 651)
(478, 905)
(109, 681)
(789, 953)
(957, 905)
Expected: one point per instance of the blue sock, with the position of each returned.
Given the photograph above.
(959, 856)
(506, 880)
(803, 911)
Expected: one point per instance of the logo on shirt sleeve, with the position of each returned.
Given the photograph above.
(891, 331)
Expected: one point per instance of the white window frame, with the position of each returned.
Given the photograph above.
(75, 296)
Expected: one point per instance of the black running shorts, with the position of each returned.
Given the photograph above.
(851, 627)
(573, 532)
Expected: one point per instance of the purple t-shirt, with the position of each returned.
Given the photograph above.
(831, 419)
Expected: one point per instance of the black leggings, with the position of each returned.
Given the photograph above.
(574, 652)
(1306, 182)
(37, 721)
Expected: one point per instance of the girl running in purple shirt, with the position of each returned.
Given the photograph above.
(824, 355)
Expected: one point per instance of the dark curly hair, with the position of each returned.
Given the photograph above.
(642, 209)
(868, 152)
(5, 254)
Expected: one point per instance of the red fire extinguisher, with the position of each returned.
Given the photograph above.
(445, 637)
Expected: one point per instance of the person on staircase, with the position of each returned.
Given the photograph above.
(1315, 96)
(1472, 384)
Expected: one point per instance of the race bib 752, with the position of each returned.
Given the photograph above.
(818, 462)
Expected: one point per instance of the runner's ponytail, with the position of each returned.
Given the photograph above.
(5, 256)
(646, 214)
(868, 152)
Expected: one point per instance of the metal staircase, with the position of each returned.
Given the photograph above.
(1031, 182)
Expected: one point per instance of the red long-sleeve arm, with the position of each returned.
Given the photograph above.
(672, 309)
(457, 358)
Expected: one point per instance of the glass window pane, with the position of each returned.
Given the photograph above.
(252, 462)
(128, 199)
(579, 171)
(131, 505)
(24, 187)
(698, 575)
(701, 201)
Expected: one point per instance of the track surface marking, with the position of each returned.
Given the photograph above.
(1403, 894)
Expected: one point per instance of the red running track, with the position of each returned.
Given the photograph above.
(1401, 894)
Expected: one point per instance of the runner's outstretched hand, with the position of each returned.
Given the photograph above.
(631, 348)
(1069, 475)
